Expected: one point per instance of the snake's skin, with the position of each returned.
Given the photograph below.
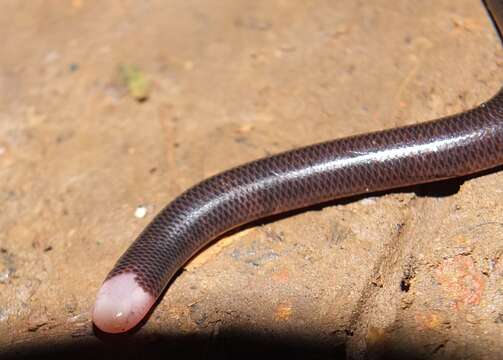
(453, 146)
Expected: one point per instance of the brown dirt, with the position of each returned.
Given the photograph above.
(411, 274)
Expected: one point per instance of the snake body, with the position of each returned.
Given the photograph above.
(452, 146)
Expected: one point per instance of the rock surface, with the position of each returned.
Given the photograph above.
(85, 165)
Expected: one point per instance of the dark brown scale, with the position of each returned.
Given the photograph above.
(453, 146)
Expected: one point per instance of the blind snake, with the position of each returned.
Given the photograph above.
(453, 146)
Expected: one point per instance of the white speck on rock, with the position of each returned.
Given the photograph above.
(140, 212)
(4, 276)
(51, 57)
(368, 201)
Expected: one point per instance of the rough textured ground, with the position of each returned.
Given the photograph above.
(410, 274)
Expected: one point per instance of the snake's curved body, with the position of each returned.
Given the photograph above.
(453, 146)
